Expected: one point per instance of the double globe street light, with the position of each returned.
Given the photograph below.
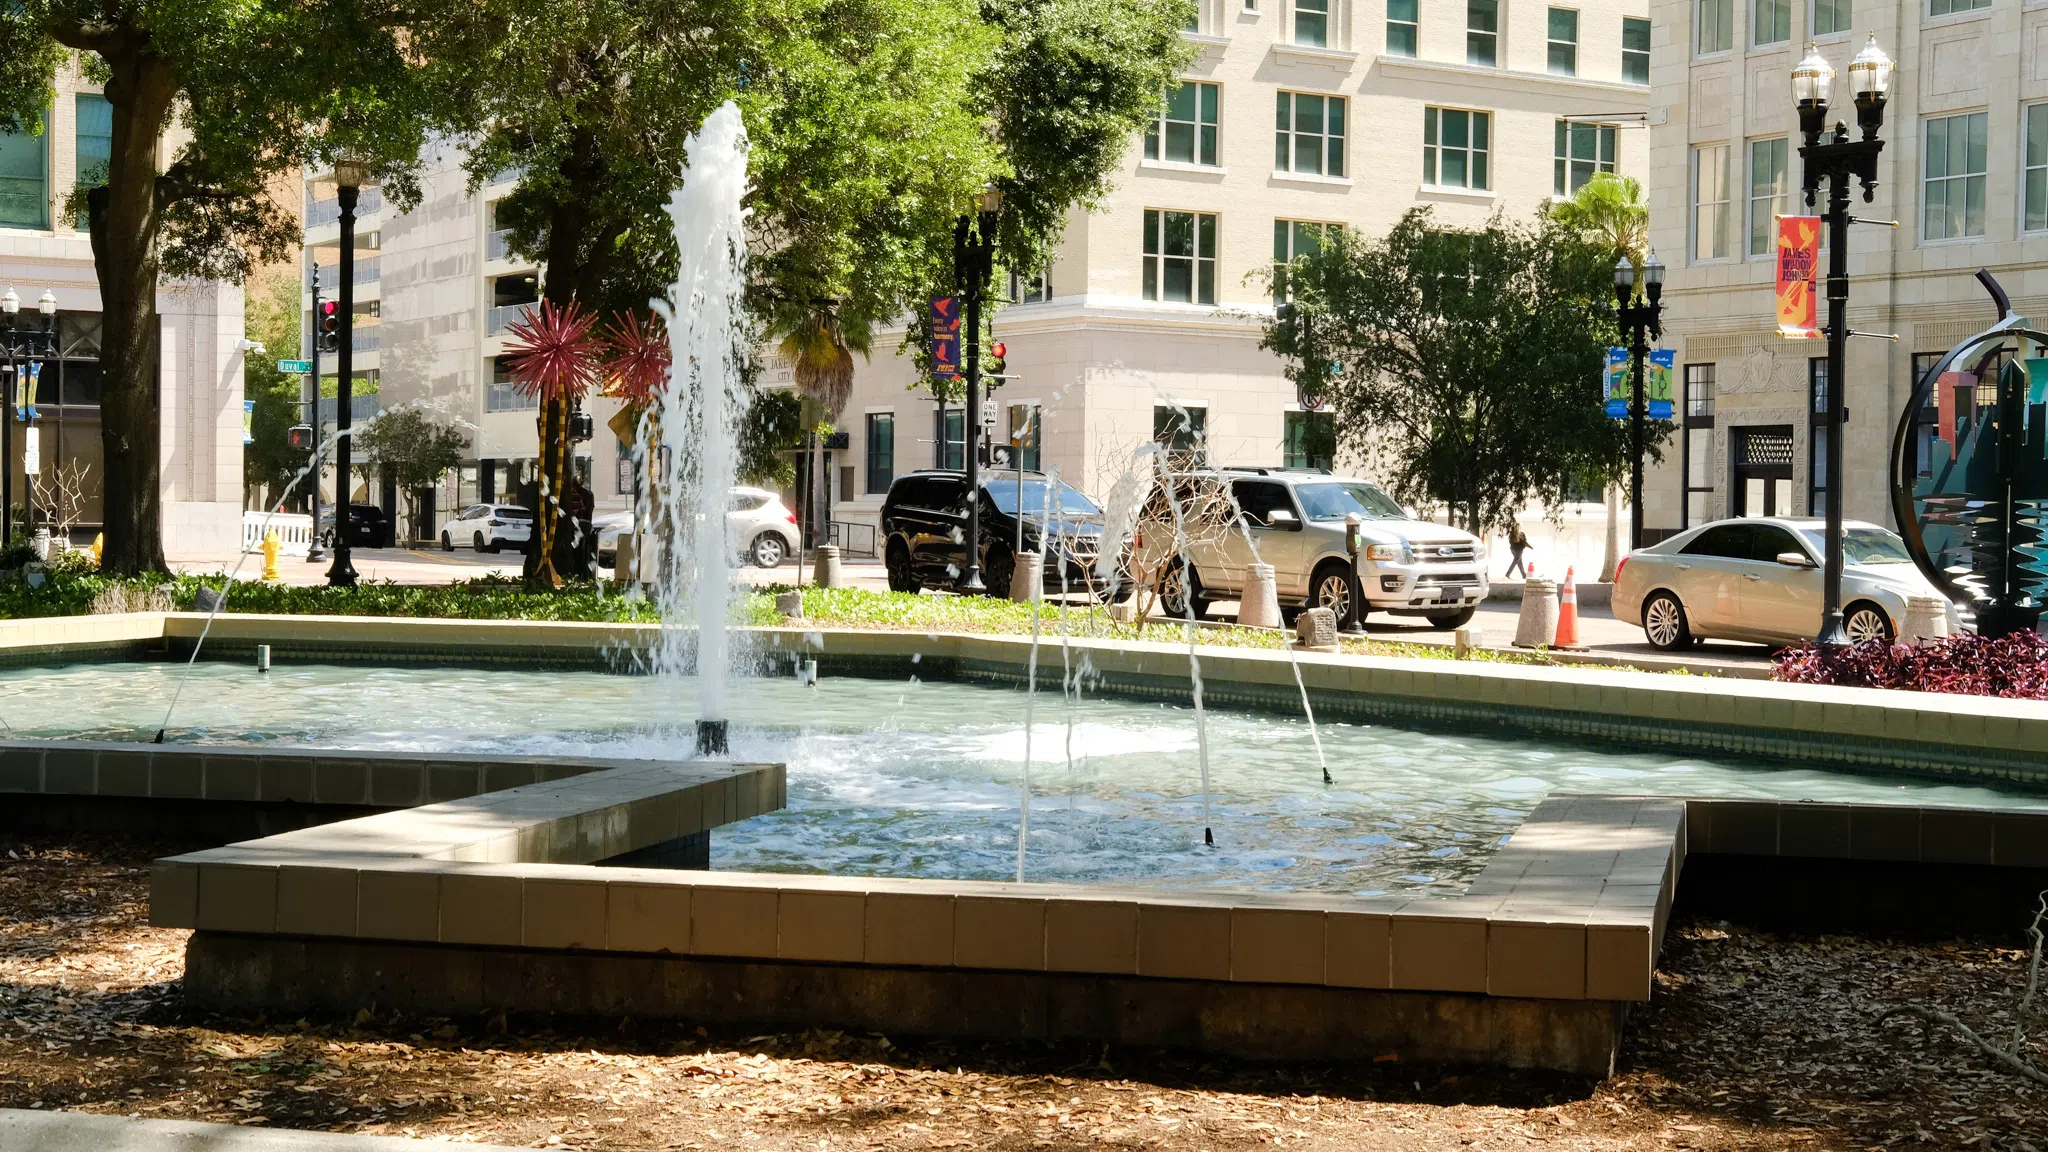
(1642, 323)
(23, 352)
(1839, 160)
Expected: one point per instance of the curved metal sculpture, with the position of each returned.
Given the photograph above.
(1977, 523)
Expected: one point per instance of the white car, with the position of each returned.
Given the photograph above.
(1759, 579)
(488, 527)
(759, 526)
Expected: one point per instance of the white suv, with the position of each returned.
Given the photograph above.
(1295, 519)
(489, 527)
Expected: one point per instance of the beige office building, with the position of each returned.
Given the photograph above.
(1964, 173)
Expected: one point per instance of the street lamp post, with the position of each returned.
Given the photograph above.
(1838, 160)
(974, 246)
(310, 390)
(351, 176)
(23, 350)
(1642, 323)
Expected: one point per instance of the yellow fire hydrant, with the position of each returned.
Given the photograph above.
(271, 547)
(99, 542)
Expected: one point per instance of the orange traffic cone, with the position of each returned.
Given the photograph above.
(1568, 615)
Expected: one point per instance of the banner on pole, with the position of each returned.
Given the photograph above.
(32, 451)
(946, 337)
(1657, 383)
(248, 421)
(26, 380)
(1615, 383)
(1798, 272)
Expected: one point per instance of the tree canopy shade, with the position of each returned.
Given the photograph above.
(1470, 359)
(244, 83)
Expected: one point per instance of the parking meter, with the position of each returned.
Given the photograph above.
(1354, 612)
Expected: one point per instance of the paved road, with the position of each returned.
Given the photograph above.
(22, 1130)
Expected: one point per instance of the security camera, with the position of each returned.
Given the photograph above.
(255, 346)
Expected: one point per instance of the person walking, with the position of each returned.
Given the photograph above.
(1517, 544)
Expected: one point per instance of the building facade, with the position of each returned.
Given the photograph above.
(1297, 115)
(436, 288)
(1964, 173)
(199, 376)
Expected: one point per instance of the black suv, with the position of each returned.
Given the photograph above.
(924, 531)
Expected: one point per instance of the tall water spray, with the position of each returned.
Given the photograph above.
(695, 423)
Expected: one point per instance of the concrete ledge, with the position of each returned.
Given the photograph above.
(35, 1131)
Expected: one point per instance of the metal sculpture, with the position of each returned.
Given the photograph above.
(1977, 523)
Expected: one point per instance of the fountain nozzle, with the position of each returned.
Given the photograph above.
(1209, 837)
(711, 738)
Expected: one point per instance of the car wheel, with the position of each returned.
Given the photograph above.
(479, 543)
(998, 571)
(897, 560)
(447, 545)
(1180, 592)
(1665, 625)
(1446, 621)
(1331, 588)
(1865, 621)
(766, 551)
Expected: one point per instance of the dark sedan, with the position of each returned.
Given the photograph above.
(368, 527)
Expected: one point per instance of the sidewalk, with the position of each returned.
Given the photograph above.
(22, 1130)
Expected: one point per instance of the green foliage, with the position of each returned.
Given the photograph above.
(416, 444)
(1471, 358)
(272, 319)
(771, 428)
(1608, 211)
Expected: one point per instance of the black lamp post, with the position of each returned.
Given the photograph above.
(23, 350)
(1838, 160)
(974, 247)
(351, 176)
(1642, 323)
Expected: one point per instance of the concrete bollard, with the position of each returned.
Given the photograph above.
(1124, 611)
(1926, 621)
(1027, 576)
(622, 560)
(1537, 626)
(826, 560)
(263, 657)
(1465, 640)
(1260, 607)
(1316, 628)
(789, 605)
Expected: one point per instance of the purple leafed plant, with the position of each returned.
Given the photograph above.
(2014, 666)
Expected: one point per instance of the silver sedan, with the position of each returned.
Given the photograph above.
(1759, 579)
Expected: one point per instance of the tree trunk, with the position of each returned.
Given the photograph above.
(125, 223)
(1612, 559)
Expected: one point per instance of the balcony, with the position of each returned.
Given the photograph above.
(504, 316)
(367, 272)
(327, 211)
(362, 406)
(497, 245)
(505, 396)
(365, 339)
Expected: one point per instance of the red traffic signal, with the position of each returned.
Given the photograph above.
(330, 326)
(998, 354)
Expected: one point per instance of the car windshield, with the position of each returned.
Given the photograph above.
(1862, 545)
(1335, 501)
(1070, 501)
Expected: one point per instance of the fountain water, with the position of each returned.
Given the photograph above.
(696, 416)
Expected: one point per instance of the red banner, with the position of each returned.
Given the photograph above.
(1798, 272)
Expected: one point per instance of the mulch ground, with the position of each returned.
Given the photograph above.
(1753, 1041)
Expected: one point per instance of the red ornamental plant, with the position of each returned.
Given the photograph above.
(551, 353)
(638, 367)
(2014, 667)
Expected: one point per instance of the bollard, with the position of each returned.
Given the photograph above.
(1260, 605)
(1537, 626)
(263, 657)
(622, 559)
(825, 559)
(1354, 543)
(1926, 621)
(1465, 640)
(271, 547)
(1027, 576)
(789, 605)
(1316, 628)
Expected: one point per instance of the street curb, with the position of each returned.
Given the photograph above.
(23, 1130)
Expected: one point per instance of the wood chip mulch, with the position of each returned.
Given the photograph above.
(1753, 1041)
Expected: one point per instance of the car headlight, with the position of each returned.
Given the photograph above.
(1385, 551)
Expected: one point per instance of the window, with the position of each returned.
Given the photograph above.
(503, 395)
(1928, 419)
(1292, 238)
(1194, 23)
(1024, 440)
(1482, 32)
(1581, 150)
(1770, 21)
(95, 149)
(1564, 42)
(1830, 16)
(24, 198)
(1454, 148)
(1185, 131)
(1180, 256)
(1259, 499)
(1032, 289)
(1308, 134)
(1312, 22)
(1635, 49)
(1954, 192)
(1767, 192)
(953, 439)
(1310, 440)
(1710, 202)
(1716, 25)
(2034, 175)
(881, 451)
(1951, 7)
(1698, 447)
(1401, 27)
(1183, 429)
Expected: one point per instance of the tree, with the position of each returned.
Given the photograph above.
(244, 82)
(1470, 358)
(416, 446)
(272, 320)
(1608, 211)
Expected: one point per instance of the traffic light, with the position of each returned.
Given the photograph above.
(330, 326)
(301, 437)
(997, 364)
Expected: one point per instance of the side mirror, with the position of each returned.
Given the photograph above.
(1283, 519)
(1795, 560)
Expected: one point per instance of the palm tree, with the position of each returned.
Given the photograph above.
(1608, 210)
(821, 361)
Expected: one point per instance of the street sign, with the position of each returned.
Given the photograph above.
(300, 366)
(32, 452)
(988, 411)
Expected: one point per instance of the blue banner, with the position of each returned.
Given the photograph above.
(1657, 382)
(946, 337)
(25, 381)
(1614, 382)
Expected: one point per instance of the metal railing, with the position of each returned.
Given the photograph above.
(504, 396)
(852, 537)
(504, 316)
(327, 211)
(497, 245)
(365, 339)
(367, 272)
(362, 406)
